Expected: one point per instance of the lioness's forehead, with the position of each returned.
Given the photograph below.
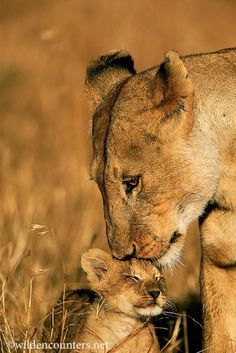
(135, 95)
(133, 107)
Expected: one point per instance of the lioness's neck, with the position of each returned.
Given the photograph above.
(214, 126)
(214, 81)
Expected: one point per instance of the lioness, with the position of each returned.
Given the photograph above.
(164, 145)
(114, 314)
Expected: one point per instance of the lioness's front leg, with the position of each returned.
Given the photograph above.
(218, 281)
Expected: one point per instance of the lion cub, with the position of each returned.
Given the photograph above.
(114, 314)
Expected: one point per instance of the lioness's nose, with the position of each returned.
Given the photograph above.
(124, 255)
(154, 294)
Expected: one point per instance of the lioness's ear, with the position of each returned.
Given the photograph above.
(95, 262)
(104, 77)
(106, 72)
(173, 93)
(176, 83)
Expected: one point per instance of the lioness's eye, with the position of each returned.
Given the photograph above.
(157, 278)
(131, 184)
(133, 278)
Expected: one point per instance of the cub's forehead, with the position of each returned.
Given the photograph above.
(140, 267)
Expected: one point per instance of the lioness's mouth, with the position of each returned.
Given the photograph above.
(152, 305)
(170, 252)
(175, 237)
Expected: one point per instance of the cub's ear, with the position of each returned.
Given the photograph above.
(106, 72)
(96, 262)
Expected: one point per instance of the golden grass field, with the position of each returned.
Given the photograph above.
(45, 146)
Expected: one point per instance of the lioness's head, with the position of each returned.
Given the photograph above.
(135, 288)
(154, 172)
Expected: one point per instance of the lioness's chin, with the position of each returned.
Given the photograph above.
(171, 257)
(150, 310)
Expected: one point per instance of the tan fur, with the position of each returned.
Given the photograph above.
(116, 311)
(169, 150)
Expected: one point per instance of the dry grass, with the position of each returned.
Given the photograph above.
(44, 134)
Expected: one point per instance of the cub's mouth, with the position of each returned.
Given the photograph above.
(154, 308)
(148, 310)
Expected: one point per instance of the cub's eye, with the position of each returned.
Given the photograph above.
(130, 184)
(133, 278)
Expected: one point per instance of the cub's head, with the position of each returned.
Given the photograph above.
(135, 288)
(152, 166)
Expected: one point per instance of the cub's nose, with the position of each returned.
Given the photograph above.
(154, 294)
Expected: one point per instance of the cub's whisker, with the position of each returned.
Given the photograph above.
(169, 313)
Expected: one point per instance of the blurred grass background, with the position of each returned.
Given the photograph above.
(45, 146)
